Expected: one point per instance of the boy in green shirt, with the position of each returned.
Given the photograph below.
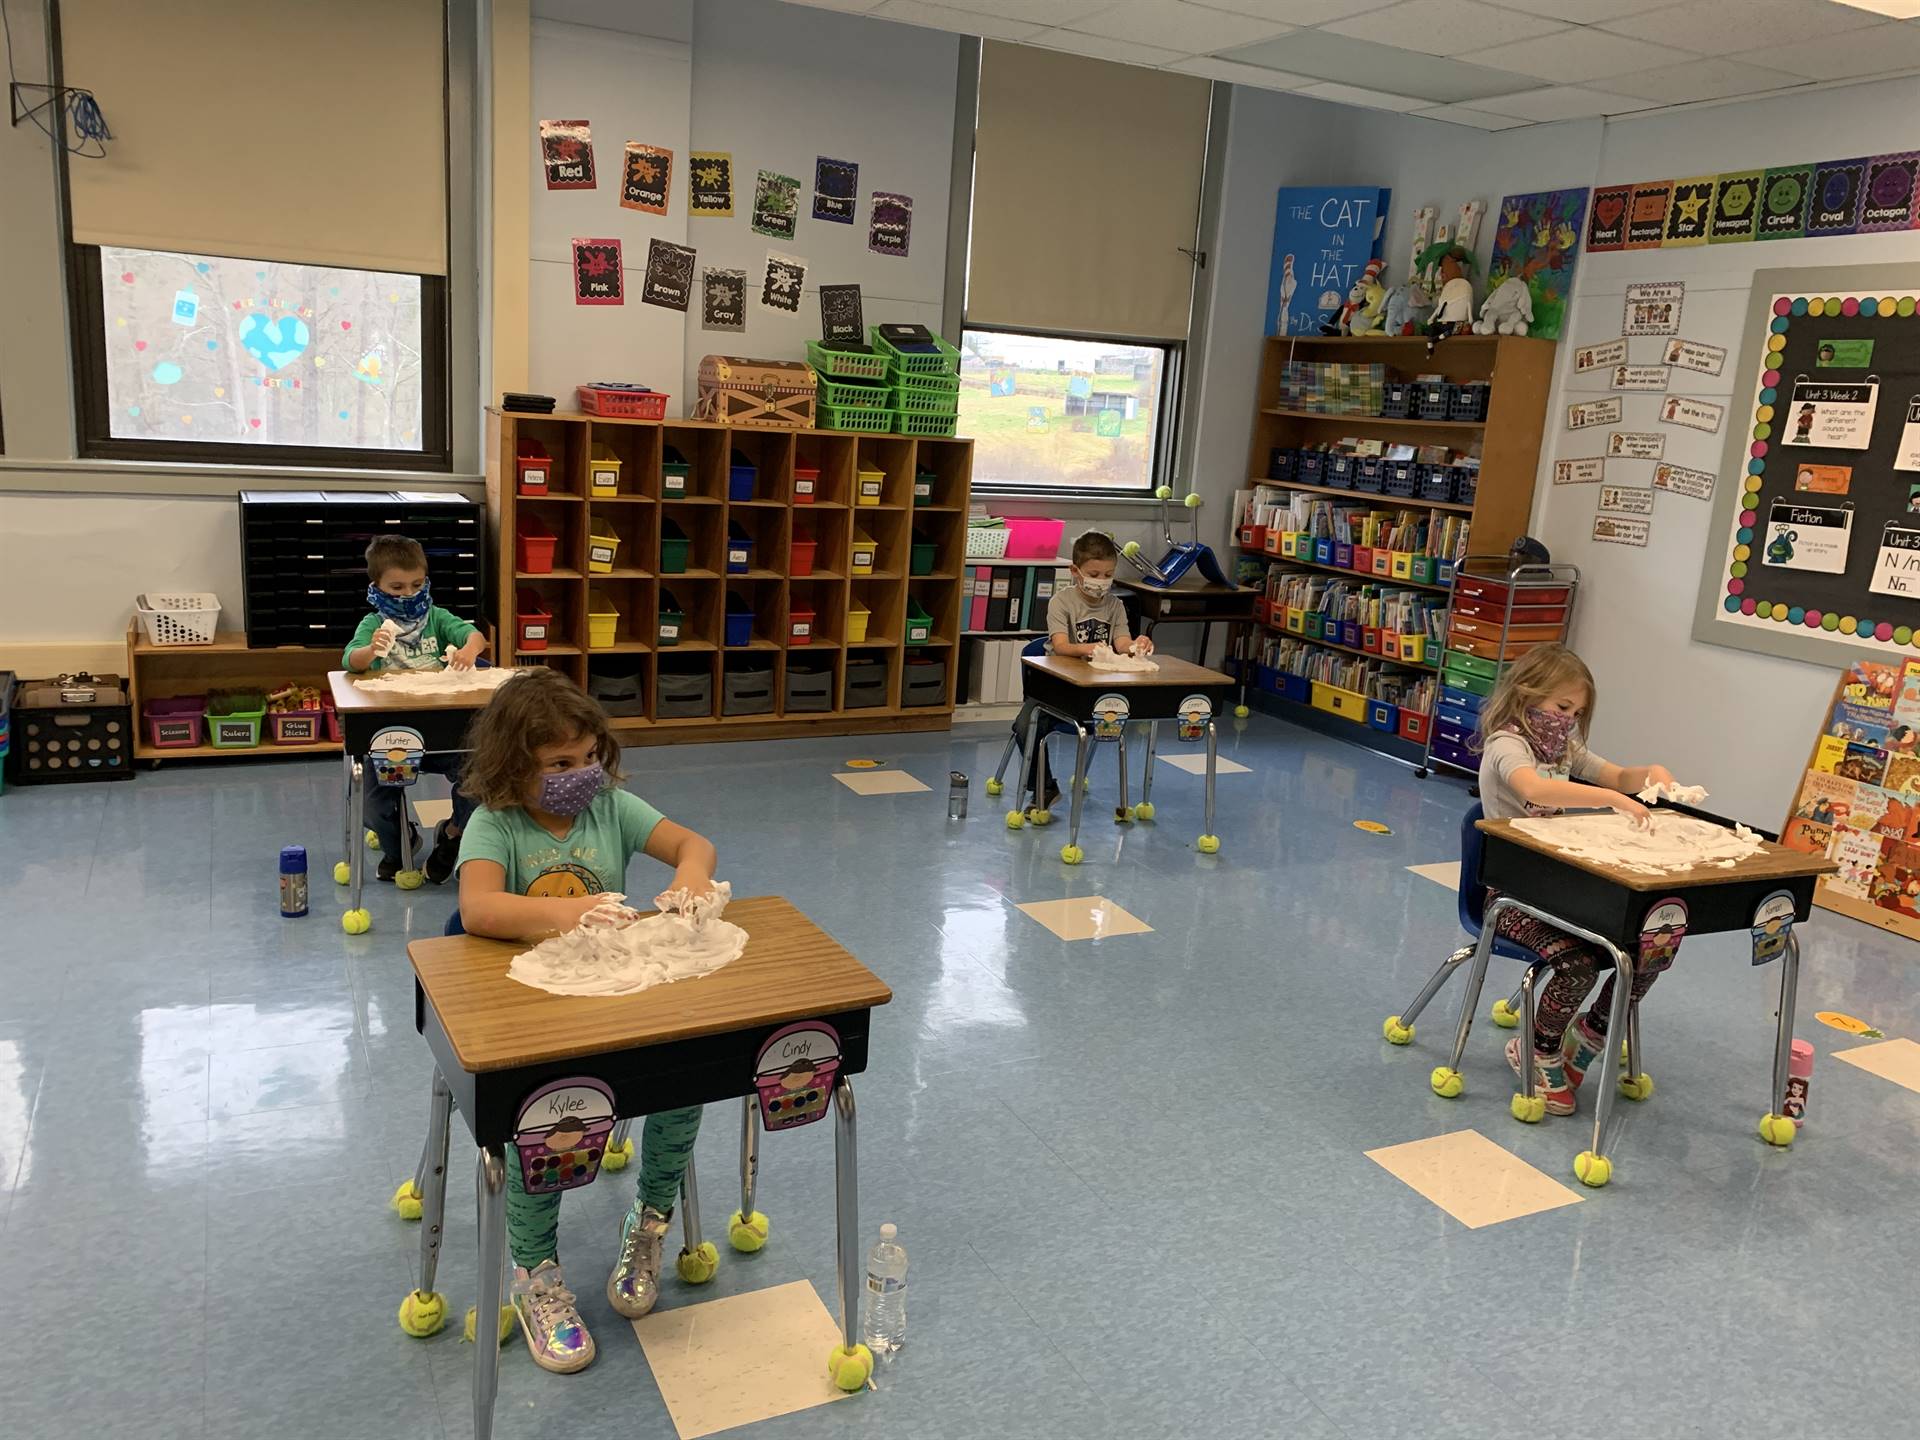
(407, 631)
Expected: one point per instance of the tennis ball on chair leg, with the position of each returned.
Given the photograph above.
(1015, 820)
(373, 841)
(423, 1314)
(471, 1326)
(1528, 1109)
(994, 787)
(850, 1368)
(342, 873)
(617, 1156)
(1504, 1015)
(1208, 844)
(1777, 1130)
(1591, 1169)
(747, 1233)
(1143, 811)
(356, 922)
(407, 1201)
(1396, 1033)
(700, 1265)
(410, 879)
(1446, 1081)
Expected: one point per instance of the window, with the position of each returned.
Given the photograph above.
(1048, 413)
(209, 357)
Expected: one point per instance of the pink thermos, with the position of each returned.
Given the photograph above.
(1799, 1080)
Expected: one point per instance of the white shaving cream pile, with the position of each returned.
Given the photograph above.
(613, 951)
(1668, 843)
(1104, 657)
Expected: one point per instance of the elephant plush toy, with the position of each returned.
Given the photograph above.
(1508, 310)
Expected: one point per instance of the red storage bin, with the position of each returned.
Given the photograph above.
(296, 727)
(535, 544)
(533, 469)
(800, 627)
(333, 721)
(1493, 591)
(535, 620)
(177, 723)
(1414, 726)
(803, 547)
(806, 484)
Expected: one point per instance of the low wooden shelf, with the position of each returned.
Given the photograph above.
(159, 672)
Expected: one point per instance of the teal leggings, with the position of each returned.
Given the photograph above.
(666, 1145)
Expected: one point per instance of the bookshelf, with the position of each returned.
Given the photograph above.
(694, 568)
(1518, 372)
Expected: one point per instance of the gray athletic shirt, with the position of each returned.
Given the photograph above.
(1084, 621)
(1509, 751)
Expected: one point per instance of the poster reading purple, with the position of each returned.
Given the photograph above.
(1322, 241)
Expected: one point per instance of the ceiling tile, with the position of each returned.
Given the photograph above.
(1842, 57)
(848, 5)
(1713, 27)
(1443, 27)
(1702, 78)
(1383, 68)
(1040, 12)
(1296, 12)
(1233, 71)
(1571, 56)
(1462, 115)
(1585, 12)
(1370, 99)
(1178, 26)
(1102, 47)
(1565, 102)
(961, 22)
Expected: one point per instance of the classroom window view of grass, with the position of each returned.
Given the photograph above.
(1050, 413)
(215, 349)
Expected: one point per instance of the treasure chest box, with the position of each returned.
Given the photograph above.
(736, 391)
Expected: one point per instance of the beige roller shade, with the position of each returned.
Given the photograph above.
(298, 130)
(1086, 183)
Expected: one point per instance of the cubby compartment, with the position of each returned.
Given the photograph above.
(769, 456)
(635, 532)
(811, 683)
(948, 463)
(562, 446)
(619, 683)
(548, 619)
(619, 616)
(753, 614)
(705, 528)
(832, 456)
(634, 451)
(704, 453)
(549, 538)
(938, 602)
(892, 457)
(766, 529)
(869, 682)
(832, 534)
(747, 685)
(684, 690)
(881, 599)
(823, 604)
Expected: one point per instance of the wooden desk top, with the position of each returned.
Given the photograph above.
(1185, 585)
(1774, 862)
(349, 696)
(791, 970)
(1181, 674)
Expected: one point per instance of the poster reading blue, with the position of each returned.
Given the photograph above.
(1322, 239)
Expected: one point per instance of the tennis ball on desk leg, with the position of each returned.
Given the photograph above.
(342, 873)
(850, 1368)
(1131, 549)
(994, 787)
(373, 841)
(1636, 1087)
(749, 1233)
(1504, 1015)
(506, 1324)
(1208, 844)
(617, 1156)
(1037, 816)
(422, 1314)
(1143, 811)
(409, 879)
(1072, 854)
(1163, 492)
(1594, 1170)
(1015, 820)
(407, 1202)
(1396, 1033)
(1777, 1130)
(1240, 712)
(356, 922)
(1192, 502)
(1528, 1109)
(699, 1265)
(1446, 1081)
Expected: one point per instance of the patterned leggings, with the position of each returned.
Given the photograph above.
(1576, 965)
(666, 1144)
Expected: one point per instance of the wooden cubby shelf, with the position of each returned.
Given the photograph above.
(863, 680)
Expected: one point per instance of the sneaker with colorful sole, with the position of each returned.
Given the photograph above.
(1549, 1078)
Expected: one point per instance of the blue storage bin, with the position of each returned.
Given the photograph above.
(739, 551)
(1398, 479)
(1309, 466)
(739, 623)
(1461, 699)
(740, 477)
(1396, 400)
(1266, 678)
(1383, 715)
(1296, 688)
(1338, 472)
(1443, 573)
(1369, 471)
(1323, 552)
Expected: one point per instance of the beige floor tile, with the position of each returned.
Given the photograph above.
(1441, 872)
(741, 1359)
(1473, 1179)
(1895, 1060)
(1197, 765)
(431, 812)
(1088, 917)
(879, 782)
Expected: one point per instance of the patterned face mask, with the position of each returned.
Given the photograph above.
(1548, 731)
(568, 792)
(1096, 589)
(407, 611)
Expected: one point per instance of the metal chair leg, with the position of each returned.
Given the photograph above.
(1434, 982)
(1123, 812)
(997, 783)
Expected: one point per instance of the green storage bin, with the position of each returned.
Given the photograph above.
(675, 475)
(234, 719)
(907, 422)
(919, 623)
(1465, 664)
(673, 548)
(865, 422)
(911, 401)
(1477, 684)
(920, 556)
(942, 360)
(860, 394)
(923, 483)
(673, 621)
(1423, 566)
(846, 365)
(947, 382)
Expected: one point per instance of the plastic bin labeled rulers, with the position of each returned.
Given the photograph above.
(233, 719)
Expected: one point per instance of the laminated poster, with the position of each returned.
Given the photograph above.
(1783, 203)
(836, 190)
(566, 154)
(1640, 377)
(597, 276)
(645, 178)
(1620, 530)
(1689, 213)
(1626, 499)
(1647, 214)
(1636, 444)
(710, 183)
(1908, 457)
(1654, 308)
(1694, 413)
(841, 316)
(1843, 355)
(723, 299)
(1896, 569)
(1607, 225)
(776, 205)
(1599, 357)
(1683, 480)
(1887, 201)
(669, 280)
(1584, 471)
(1323, 237)
(1587, 413)
(1807, 537)
(1537, 241)
(1833, 206)
(890, 223)
(1736, 205)
(786, 275)
(1810, 479)
(1693, 355)
(1832, 416)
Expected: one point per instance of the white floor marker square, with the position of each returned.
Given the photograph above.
(741, 1359)
(1895, 1060)
(1472, 1179)
(1090, 917)
(1197, 765)
(1441, 872)
(431, 812)
(879, 782)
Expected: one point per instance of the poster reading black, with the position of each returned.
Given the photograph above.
(840, 313)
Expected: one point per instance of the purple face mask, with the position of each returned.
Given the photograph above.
(1548, 730)
(568, 792)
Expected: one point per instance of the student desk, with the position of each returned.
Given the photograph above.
(442, 721)
(1196, 602)
(495, 1042)
(1608, 905)
(1072, 691)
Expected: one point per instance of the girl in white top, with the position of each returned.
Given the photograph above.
(1534, 759)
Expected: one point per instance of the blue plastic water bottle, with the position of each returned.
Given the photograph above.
(293, 881)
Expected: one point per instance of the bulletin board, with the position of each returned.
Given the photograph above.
(1814, 554)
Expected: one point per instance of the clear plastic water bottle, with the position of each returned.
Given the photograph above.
(886, 1328)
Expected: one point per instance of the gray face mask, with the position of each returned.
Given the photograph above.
(1096, 589)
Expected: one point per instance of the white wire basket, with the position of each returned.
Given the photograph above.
(182, 617)
(987, 542)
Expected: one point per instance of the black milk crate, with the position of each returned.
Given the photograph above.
(1469, 401)
(1338, 472)
(1400, 480)
(1369, 473)
(67, 731)
(1466, 483)
(1397, 401)
(1310, 466)
(1433, 482)
(1281, 462)
(1432, 399)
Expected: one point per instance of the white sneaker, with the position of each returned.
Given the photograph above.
(556, 1337)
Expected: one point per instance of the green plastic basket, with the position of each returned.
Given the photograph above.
(944, 361)
(919, 623)
(946, 381)
(867, 422)
(853, 394)
(925, 402)
(845, 365)
(908, 422)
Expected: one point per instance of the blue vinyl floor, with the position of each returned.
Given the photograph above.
(1129, 1171)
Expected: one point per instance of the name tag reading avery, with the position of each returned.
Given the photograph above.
(562, 1133)
(395, 754)
(1195, 712)
(795, 1074)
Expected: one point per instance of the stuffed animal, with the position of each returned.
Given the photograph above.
(1404, 307)
(1508, 310)
(1453, 307)
(1343, 322)
(1370, 318)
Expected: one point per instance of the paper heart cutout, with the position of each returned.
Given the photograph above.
(167, 373)
(346, 324)
(218, 391)
(254, 423)
(319, 362)
(139, 344)
(133, 409)
(127, 276)
(202, 266)
(213, 344)
(274, 343)
(1610, 210)
(186, 419)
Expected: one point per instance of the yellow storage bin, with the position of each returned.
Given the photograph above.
(857, 617)
(1413, 649)
(603, 622)
(863, 552)
(603, 548)
(868, 487)
(1402, 564)
(603, 471)
(1347, 704)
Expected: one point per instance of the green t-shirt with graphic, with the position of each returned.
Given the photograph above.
(590, 860)
(443, 628)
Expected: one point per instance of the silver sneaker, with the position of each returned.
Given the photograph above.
(634, 1285)
(556, 1338)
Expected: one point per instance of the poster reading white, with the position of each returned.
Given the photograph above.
(1682, 480)
(1584, 471)
(1654, 309)
(1693, 413)
(1808, 537)
(1896, 569)
(1626, 499)
(1833, 417)
(1695, 356)
(1909, 456)
(1617, 530)
(1636, 444)
(1599, 357)
(1593, 412)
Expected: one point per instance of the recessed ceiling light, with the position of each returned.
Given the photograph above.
(1894, 9)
